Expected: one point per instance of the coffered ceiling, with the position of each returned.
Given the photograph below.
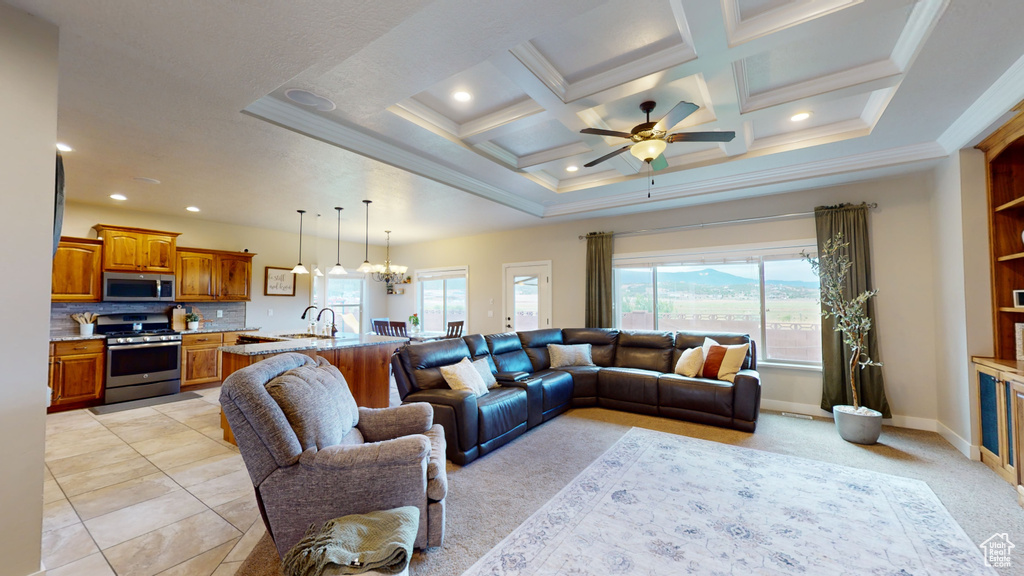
(193, 94)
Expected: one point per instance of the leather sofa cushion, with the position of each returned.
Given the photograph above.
(535, 343)
(558, 388)
(602, 342)
(584, 380)
(629, 385)
(694, 339)
(700, 394)
(476, 344)
(423, 361)
(647, 350)
(508, 353)
(501, 410)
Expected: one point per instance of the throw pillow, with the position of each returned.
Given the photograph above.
(464, 376)
(723, 362)
(570, 355)
(690, 362)
(484, 368)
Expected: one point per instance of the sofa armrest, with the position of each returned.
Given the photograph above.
(511, 376)
(456, 411)
(746, 398)
(378, 424)
(398, 452)
(534, 398)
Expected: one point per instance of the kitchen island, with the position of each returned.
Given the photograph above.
(363, 360)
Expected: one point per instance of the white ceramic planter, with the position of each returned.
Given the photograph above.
(860, 427)
(192, 325)
(86, 329)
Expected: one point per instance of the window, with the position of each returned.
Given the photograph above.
(769, 293)
(344, 295)
(443, 297)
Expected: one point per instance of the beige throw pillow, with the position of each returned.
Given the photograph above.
(570, 355)
(723, 362)
(464, 376)
(690, 362)
(484, 368)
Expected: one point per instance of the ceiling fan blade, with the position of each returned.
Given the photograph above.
(601, 132)
(701, 137)
(676, 115)
(607, 156)
(659, 163)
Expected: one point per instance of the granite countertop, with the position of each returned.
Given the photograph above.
(69, 336)
(214, 329)
(300, 344)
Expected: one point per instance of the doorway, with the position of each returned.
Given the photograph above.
(526, 298)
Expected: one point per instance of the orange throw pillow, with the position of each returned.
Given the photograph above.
(723, 362)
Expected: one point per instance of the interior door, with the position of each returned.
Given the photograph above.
(527, 296)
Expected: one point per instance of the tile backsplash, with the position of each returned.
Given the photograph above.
(61, 323)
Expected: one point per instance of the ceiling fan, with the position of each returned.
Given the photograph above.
(651, 138)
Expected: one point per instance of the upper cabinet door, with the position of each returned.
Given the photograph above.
(235, 276)
(158, 254)
(121, 251)
(76, 273)
(195, 276)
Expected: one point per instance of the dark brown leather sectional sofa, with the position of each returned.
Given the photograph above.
(633, 372)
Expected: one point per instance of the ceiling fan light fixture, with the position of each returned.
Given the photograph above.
(648, 150)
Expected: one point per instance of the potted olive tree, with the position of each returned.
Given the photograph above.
(856, 423)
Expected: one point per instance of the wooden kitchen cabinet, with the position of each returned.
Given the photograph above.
(77, 271)
(76, 373)
(213, 275)
(136, 249)
(200, 358)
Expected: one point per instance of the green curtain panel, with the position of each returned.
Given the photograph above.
(599, 280)
(852, 222)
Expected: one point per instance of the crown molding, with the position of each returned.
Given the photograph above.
(553, 154)
(332, 132)
(797, 172)
(884, 71)
(740, 31)
(498, 153)
(1001, 97)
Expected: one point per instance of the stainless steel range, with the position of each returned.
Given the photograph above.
(143, 356)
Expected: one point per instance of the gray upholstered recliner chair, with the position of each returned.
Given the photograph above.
(314, 455)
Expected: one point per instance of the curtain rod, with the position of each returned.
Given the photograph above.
(871, 206)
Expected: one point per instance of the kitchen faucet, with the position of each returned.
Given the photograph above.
(334, 328)
(312, 324)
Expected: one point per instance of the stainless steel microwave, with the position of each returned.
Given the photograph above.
(135, 287)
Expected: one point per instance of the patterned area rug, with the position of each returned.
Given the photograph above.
(657, 503)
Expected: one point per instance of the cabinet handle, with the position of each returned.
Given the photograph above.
(201, 339)
(80, 348)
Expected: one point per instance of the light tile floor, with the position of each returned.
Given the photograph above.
(148, 491)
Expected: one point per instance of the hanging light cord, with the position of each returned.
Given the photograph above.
(301, 212)
(339, 209)
(366, 239)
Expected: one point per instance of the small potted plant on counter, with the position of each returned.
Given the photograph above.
(192, 321)
(414, 320)
(858, 424)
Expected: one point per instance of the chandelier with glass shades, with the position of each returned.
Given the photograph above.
(387, 272)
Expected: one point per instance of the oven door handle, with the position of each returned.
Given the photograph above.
(116, 347)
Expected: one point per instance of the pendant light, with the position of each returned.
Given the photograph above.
(299, 268)
(366, 267)
(338, 268)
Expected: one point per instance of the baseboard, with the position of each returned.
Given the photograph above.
(911, 422)
(963, 446)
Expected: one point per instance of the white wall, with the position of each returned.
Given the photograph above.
(28, 115)
(963, 291)
(902, 259)
(272, 248)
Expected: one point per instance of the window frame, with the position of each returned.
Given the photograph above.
(444, 274)
(322, 300)
(736, 254)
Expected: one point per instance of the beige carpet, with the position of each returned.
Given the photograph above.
(492, 496)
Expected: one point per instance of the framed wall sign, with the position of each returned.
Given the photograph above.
(278, 282)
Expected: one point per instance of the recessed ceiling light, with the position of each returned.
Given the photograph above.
(118, 197)
(572, 168)
(192, 209)
(462, 96)
(145, 180)
(800, 117)
(64, 147)
(307, 98)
